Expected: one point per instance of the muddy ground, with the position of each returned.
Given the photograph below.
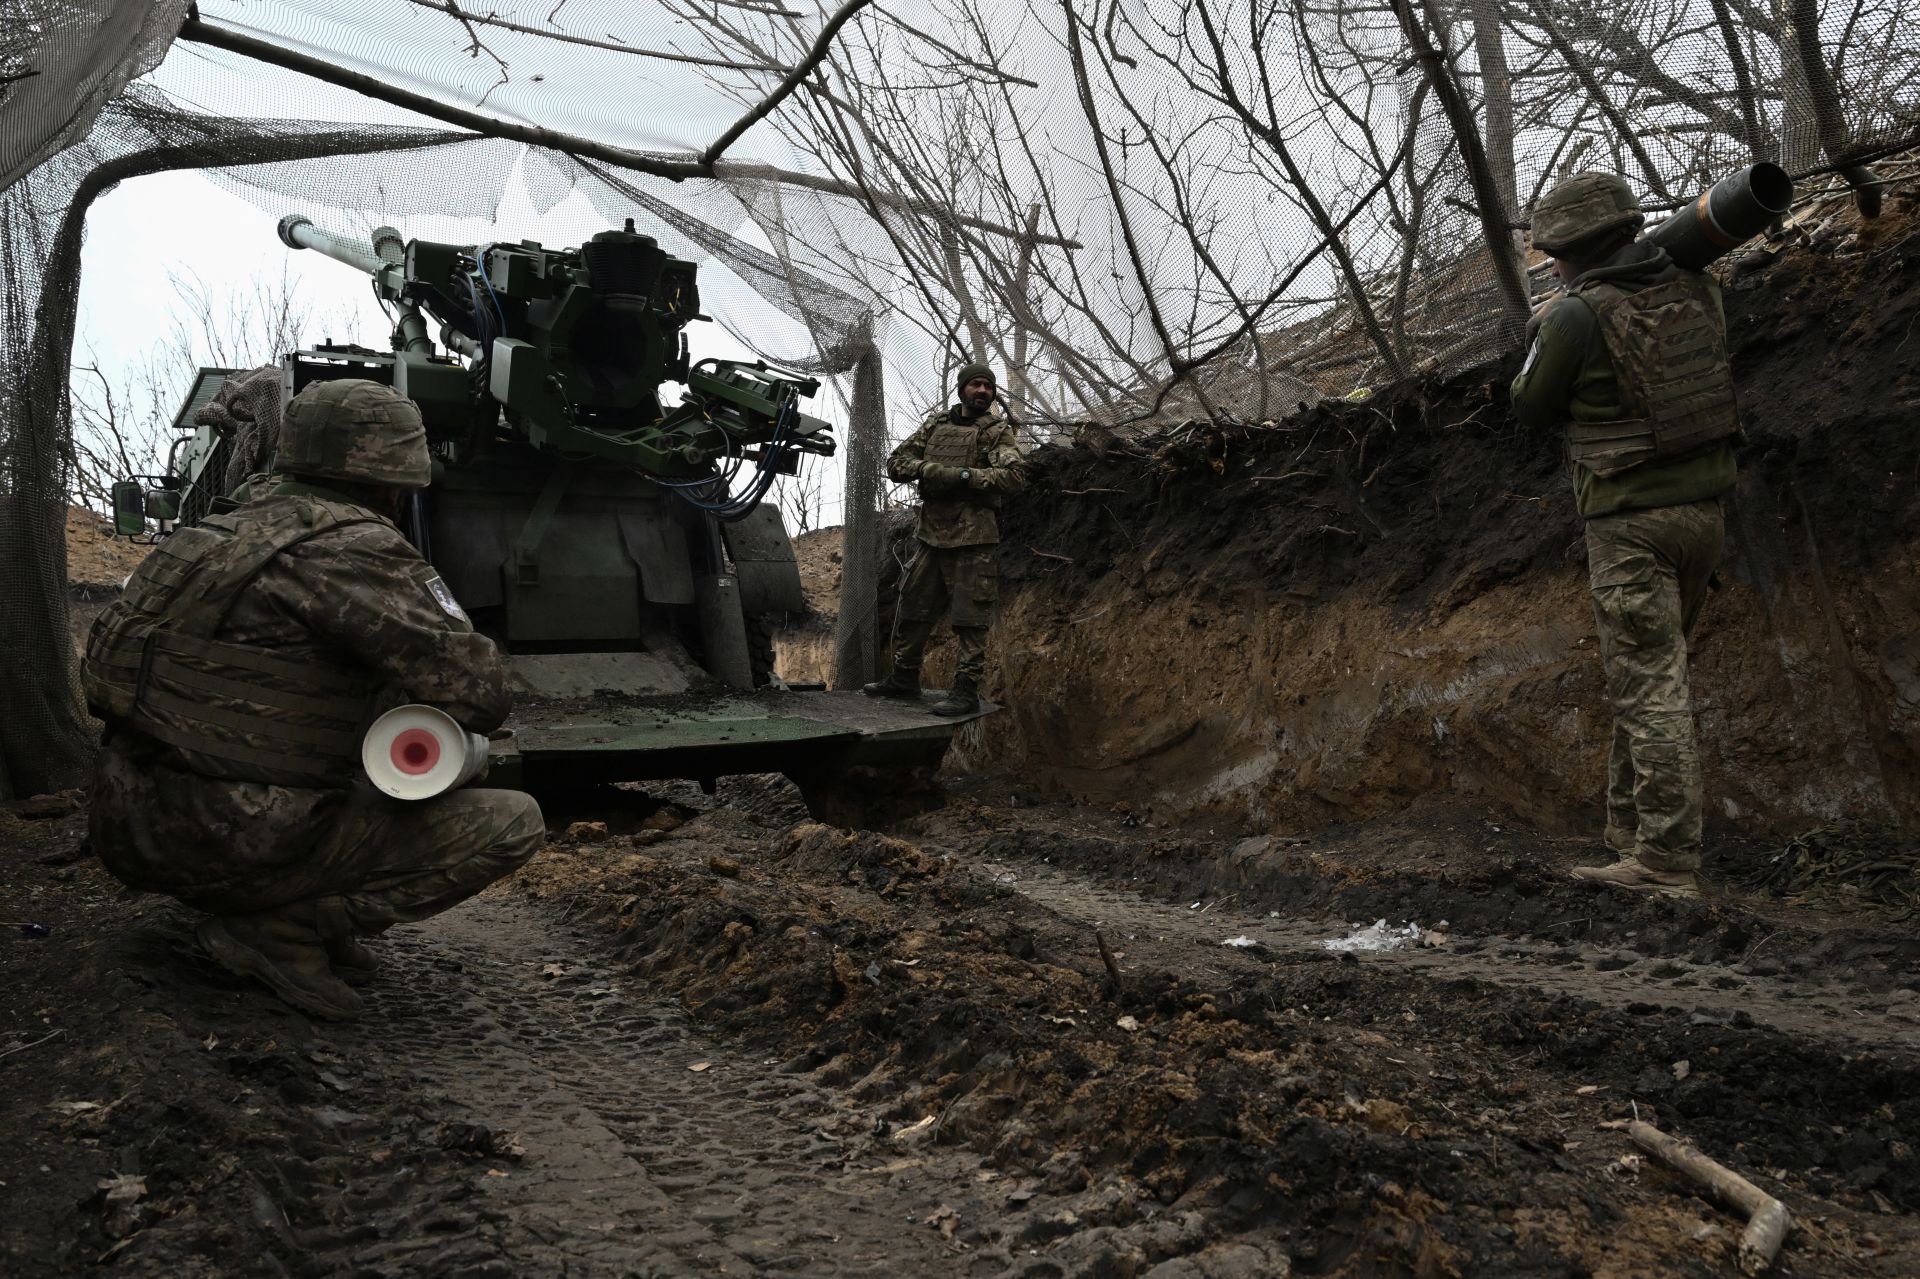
(718, 1038)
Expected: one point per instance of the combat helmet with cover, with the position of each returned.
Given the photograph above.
(356, 430)
(1663, 333)
(1585, 207)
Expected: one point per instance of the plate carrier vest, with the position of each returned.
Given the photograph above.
(1676, 386)
(235, 711)
(952, 444)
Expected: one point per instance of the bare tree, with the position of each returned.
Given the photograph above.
(123, 419)
(120, 428)
(802, 498)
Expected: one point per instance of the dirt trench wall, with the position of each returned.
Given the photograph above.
(803, 648)
(803, 654)
(1382, 601)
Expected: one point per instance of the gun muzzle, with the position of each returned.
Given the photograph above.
(1727, 215)
(297, 231)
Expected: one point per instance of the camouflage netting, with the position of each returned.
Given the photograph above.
(1137, 211)
(246, 412)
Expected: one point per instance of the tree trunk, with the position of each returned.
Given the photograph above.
(1509, 273)
(1823, 97)
(1496, 102)
(1799, 129)
(957, 282)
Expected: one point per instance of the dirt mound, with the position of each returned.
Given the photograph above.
(1380, 600)
(818, 553)
(803, 644)
(97, 564)
(879, 861)
(95, 557)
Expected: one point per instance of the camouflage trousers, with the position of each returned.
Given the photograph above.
(368, 861)
(961, 580)
(1648, 573)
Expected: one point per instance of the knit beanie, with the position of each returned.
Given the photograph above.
(973, 371)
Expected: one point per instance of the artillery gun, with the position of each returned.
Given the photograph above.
(615, 545)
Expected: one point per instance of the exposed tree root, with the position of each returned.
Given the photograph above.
(1767, 1218)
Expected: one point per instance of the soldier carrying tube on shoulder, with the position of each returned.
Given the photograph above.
(1630, 361)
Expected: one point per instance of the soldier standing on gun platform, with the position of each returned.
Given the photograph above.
(964, 458)
(236, 677)
(1631, 362)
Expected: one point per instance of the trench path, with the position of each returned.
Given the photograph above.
(1189, 937)
(650, 1149)
(637, 1163)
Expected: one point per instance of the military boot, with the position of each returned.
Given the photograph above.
(898, 683)
(964, 699)
(284, 950)
(355, 963)
(1632, 873)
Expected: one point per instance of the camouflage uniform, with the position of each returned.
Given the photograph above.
(1651, 426)
(954, 571)
(229, 778)
(354, 594)
(1648, 572)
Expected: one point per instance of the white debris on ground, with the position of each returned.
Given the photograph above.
(1240, 942)
(1377, 936)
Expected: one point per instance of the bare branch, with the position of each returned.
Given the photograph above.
(1506, 267)
(822, 44)
(469, 17)
(657, 163)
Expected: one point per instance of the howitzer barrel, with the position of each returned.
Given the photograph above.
(297, 231)
(1727, 215)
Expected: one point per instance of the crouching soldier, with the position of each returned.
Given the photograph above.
(964, 458)
(236, 677)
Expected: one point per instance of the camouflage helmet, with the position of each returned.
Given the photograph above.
(353, 429)
(1584, 206)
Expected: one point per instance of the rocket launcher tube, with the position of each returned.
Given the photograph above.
(1727, 215)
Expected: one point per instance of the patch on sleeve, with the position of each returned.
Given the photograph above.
(443, 596)
(1533, 353)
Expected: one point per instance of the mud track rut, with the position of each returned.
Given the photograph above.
(1190, 937)
(635, 1163)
